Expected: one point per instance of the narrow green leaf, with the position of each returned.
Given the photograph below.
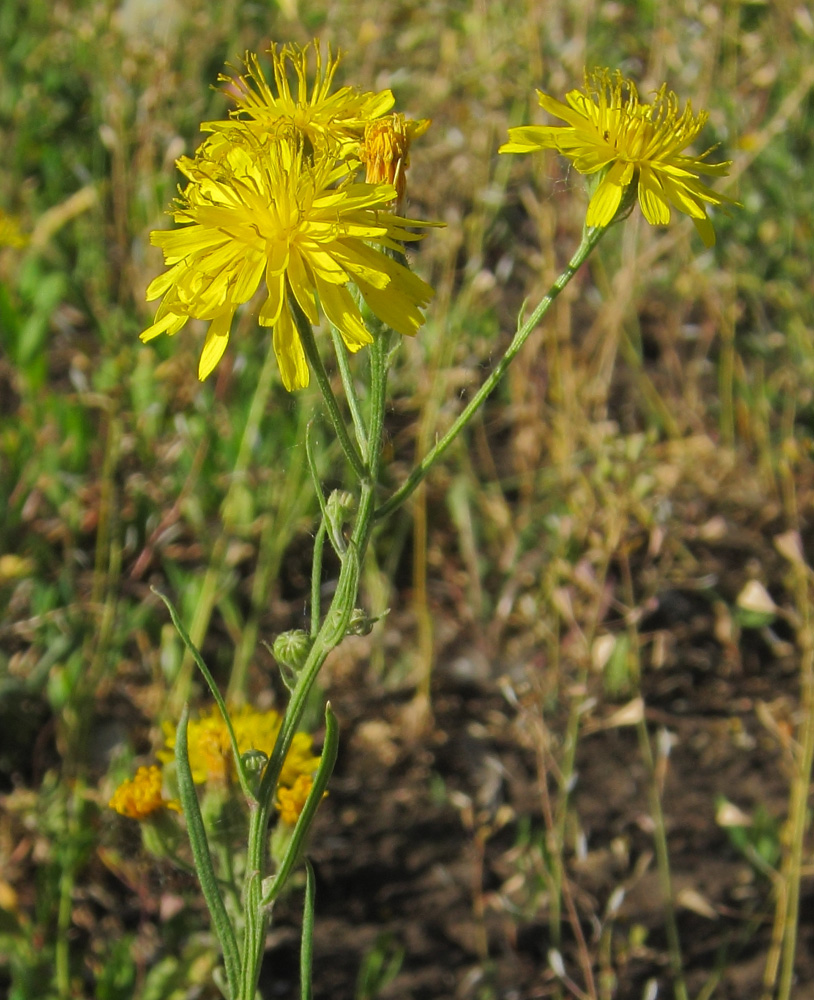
(254, 937)
(316, 577)
(307, 939)
(321, 779)
(210, 680)
(202, 857)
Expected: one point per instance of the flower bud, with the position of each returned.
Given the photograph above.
(361, 623)
(339, 506)
(254, 763)
(291, 648)
(385, 150)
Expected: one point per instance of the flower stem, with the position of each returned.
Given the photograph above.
(316, 577)
(379, 355)
(336, 539)
(590, 239)
(332, 631)
(331, 405)
(350, 389)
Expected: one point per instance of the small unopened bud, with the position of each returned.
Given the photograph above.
(361, 623)
(340, 504)
(291, 649)
(254, 763)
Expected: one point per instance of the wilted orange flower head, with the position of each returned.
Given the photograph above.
(385, 151)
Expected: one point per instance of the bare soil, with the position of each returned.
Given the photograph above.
(417, 844)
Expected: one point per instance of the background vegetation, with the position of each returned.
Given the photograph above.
(594, 683)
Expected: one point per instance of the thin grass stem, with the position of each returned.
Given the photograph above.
(663, 863)
(801, 782)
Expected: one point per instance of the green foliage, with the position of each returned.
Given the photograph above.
(380, 966)
(758, 840)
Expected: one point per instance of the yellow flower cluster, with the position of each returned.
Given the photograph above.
(273, 198)
(290, 801)
(629, 145)
(210, 753)
(141, 796)
(210, 760)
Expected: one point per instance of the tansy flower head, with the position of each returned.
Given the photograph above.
(299, 761)
(255, 730)
(141, 796)
(207, 744)
(385, 151)
(290, 801)
(634, 145)
(264, 210)
(210, 754)
(332, 122)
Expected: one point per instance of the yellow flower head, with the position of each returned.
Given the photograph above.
(254, 730)
(210, 753)
(141, 796)
(300, 761)
(290, 801)
(264, 210)
(331, 121)
(207, 745)
(608, 129)
(385, 151)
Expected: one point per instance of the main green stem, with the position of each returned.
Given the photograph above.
(315, 361)
(331, 632)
